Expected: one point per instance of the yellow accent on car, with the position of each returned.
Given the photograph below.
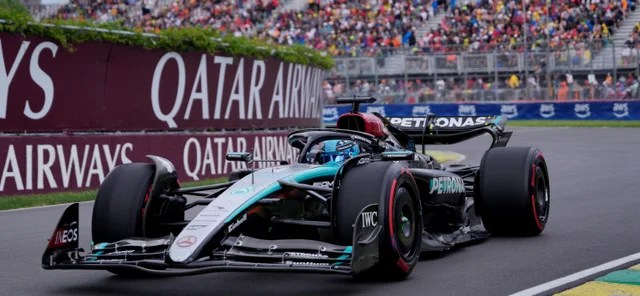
(445, 156)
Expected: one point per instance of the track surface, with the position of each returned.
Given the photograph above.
(593, 219)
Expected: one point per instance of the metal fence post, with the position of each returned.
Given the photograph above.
(406, 75)
(615, 65)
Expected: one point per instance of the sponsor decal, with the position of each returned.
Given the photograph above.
(42, 79)
(178, 90)
(235, 225)
(65, 236)
(397, 155)
(305, 255)
(369, 219)
(547, 110)
(195, 226)
(620, 110)
(295, 94)
(307, 263)
(219, 208)
(44, 166)
(467, 110)
(330, 114)
(446, 185)
(323, 184)
(582, 110)
(378, 109)
(364, 160)
(419, 122)
(415, 122)
(187, 241)
(510, 111)
(206, 156)
(420, 111)
(460, 121)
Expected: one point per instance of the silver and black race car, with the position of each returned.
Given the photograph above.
(360, 200)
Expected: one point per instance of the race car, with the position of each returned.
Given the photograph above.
(360, 200)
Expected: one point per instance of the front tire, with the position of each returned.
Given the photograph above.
(118, 209)
(513, 191)
(399, 212)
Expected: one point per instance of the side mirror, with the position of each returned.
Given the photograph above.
(239, 156)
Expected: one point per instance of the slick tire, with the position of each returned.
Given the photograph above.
(399, 212)
(118, 209)
(512, 191)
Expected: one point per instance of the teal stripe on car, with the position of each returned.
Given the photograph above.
(323, 171)
(348, 250)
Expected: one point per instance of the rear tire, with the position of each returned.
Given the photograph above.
(385, 184)
(512, 191)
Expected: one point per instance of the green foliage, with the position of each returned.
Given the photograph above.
(13, 6)
(70, 32)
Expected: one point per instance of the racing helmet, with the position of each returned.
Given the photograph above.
(337, 151)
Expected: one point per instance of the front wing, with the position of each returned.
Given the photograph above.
(239, 253)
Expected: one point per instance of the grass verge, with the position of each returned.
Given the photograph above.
(574, 123)
(46, 199)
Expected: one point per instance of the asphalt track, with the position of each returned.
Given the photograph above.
(594, 219)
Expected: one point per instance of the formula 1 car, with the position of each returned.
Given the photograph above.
(360, 200)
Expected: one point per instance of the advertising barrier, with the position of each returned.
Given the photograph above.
(579, 110)
(110, 87)
(46, 163)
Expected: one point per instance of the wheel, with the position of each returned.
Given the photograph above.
(119, 206)
(396, 193)
(512, 188)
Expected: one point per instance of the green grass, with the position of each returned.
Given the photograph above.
(574, 123)
(34, 200)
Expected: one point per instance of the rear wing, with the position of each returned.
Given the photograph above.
(447, 129)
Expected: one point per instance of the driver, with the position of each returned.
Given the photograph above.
(336, 151)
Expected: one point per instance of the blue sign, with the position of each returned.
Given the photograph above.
(583, 110)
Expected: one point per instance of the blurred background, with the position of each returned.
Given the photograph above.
(421, 50)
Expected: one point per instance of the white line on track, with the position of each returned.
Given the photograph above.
(577, 276)
(42, 207)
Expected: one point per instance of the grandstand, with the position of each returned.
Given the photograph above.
(425, 50)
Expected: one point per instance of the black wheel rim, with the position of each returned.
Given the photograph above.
(541, 196)
(405, 223)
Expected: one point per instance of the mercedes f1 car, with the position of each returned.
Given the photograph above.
(360, 200)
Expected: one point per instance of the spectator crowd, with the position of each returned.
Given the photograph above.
(564, 87)
(508, 25)
(571, 29)
(358, 27)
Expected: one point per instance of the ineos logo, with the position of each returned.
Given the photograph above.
(187, 241)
